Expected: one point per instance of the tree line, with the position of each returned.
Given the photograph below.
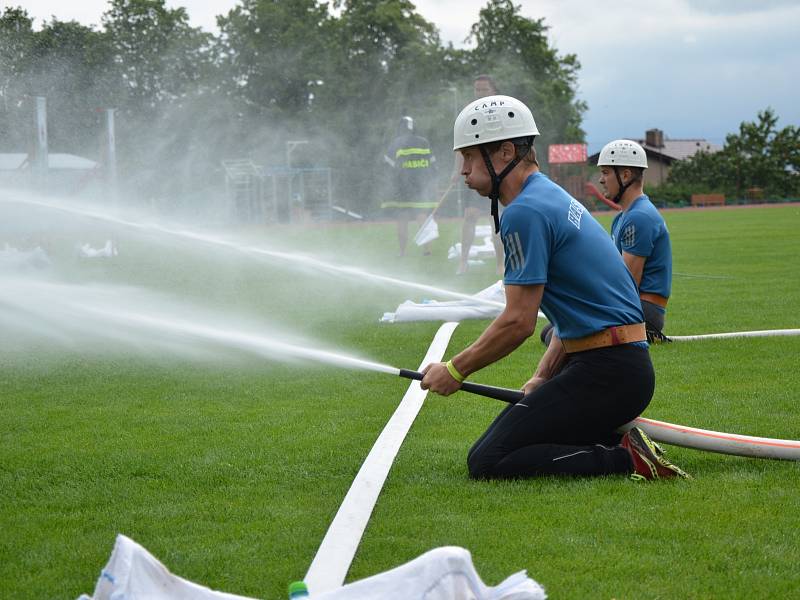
(338, 75)
(761, 160)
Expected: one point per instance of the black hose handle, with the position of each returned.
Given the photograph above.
(490, 391)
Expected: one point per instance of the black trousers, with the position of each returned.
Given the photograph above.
(567, 426)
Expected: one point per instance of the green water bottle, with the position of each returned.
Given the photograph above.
(298, 590)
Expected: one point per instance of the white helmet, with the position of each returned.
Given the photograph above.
(406, 124)
(492, 119)
(622, 153)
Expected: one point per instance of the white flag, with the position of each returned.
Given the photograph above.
(428, 232)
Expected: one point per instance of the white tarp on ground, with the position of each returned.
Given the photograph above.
(107, 251)
(21, 260)
(447, 573)
(477, 251)
(132, 573)
(487, 304)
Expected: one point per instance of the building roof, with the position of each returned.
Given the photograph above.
(17, 160)
(680, 149)
(672, 150)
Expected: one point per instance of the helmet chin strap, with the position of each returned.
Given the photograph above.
(622, 186)
(494, 195)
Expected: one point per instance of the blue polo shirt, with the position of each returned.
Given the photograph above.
(550, 238)
(640, 230)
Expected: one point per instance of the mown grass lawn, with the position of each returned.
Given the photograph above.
(230, 469)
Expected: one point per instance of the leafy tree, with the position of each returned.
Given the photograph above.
(759, 156)
(343, 81)
(160, 67)
(386, 51)
(387, 63)
(158, 56)
(516, 52)
(16, 51)
(273, 51)
(63, 62)
(70, 66)
(280, 70)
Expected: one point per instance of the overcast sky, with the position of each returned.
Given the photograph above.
(694, 68)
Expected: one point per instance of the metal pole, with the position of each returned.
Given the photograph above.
(41, 153)
(111, 156)
(330, 195)
(274, 198)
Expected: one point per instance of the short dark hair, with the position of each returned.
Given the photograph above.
(522, 149)
(638, 172)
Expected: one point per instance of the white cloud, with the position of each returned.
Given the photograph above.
(738, 6)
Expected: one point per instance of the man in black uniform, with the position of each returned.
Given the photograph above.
(412, 163)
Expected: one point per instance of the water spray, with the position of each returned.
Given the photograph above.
(61, 312)
(102, 311)
(182, 232)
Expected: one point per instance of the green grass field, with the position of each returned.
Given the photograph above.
(230, 469)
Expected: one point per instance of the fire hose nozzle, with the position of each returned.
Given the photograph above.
(498, 393)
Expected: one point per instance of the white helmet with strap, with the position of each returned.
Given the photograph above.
(622, 153)
(495, 119)
(492, 119)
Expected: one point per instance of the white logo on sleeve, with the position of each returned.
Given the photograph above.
(576, 211)
(514, 254)
(628, 237)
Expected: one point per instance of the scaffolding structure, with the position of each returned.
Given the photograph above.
(301, 194)
(277, 194)
(244, 185)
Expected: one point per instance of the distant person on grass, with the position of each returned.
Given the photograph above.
(474, 204)
(596, 375)
(638, 231)
(412, 161)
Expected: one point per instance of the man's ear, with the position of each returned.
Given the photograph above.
(509, 151)
(629, 173)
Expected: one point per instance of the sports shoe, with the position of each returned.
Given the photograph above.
(648, 459)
